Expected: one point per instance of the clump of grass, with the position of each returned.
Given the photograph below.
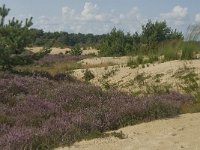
(119, 135)
(140, 59)
(157, 88)
(188, 51)
(140, 79)
(132, 63)
(88, 75)
(157, 77)
(152, 58)
(170, 49)
(110, 73)
(170, 54)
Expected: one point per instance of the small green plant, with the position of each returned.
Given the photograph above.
(110, 73)
(76, 50)
(153, 58)
(88, 75)
(157, 88)
(157, 77)
(132, 63)
(119, 135)
(140, 79)
(140, 59)
(190, 82)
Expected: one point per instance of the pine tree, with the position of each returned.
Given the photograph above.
(15, 36)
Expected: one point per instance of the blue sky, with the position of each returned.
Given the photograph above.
(100, 16)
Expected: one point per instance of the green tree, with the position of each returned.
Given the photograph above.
(14, 38)
(113, 44)
(3, 13)
(154, 33)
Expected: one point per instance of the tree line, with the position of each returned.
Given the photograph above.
(16, 35)
(115, 43)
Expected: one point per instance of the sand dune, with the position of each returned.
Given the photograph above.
(123, 74)
(180, 133)
(63, 50)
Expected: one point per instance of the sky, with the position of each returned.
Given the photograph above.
(100, 16)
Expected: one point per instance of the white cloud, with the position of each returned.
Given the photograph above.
(91, 19)
(176, 16)
(177, 12)
(68, 13)
(197, 18)
(43, 20)
(89, 9)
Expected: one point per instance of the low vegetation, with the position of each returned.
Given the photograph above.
(38, 113)
(42, 106)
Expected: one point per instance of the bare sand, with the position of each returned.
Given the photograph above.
(105, 60)
(180, 133)
(63, 50)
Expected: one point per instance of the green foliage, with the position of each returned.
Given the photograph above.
(113, 44)
(110, 73)
(154, 33)
(7, 120)
(157, 88)
(88, 75)
(140, 59)
(132, 63)
(188, 51)
(153, 58)
(170, 54)
(76, 50)
(117, 43)
(14, 38)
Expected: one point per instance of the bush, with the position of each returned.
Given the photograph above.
(76, 50)
(15, 36)
(132, 62)
(88, 75)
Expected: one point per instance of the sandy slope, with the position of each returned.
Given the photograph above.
(63, 50)
(180, 133)
(124, 75)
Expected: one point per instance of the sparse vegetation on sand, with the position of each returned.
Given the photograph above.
(52, 100)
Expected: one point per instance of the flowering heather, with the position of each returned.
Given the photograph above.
(37, 113)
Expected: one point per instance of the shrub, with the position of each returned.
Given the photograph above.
(132, 62)
(88, 75)
(76, 50)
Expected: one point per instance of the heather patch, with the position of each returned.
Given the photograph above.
(39, 113)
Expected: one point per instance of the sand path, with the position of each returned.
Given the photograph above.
(180, 133)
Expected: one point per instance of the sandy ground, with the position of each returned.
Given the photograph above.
(123, 75)
(105, 60)
(60, 50)
(180, 133)
(123, 71)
